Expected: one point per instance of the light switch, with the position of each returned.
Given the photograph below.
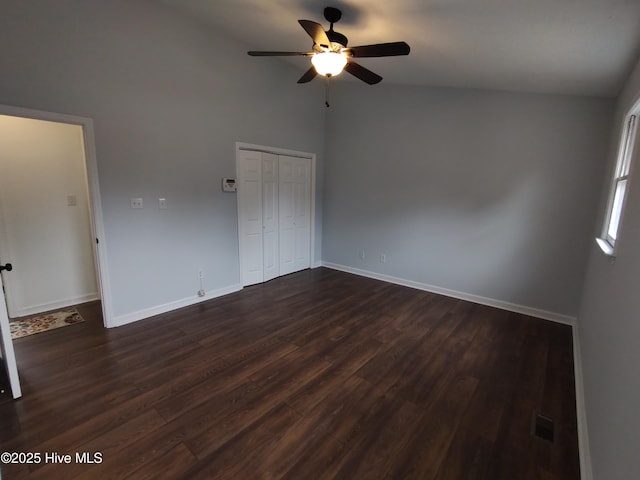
(136, 203)
(71, 201)
(162, 203)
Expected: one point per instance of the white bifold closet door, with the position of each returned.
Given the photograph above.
(274, 215)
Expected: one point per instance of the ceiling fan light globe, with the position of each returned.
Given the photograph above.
(329, 63)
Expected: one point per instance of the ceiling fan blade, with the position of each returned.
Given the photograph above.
(316, 32)
(308, 75)
(280, 54)
(362, 73)
(390, 49)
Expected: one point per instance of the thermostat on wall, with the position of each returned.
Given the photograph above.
(229, 185)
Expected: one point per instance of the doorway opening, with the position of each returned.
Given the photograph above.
(51, 226)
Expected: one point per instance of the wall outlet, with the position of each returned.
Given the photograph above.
(162, 203)
(201, 293)
(383, 258)
(136, 203)
(200, 273)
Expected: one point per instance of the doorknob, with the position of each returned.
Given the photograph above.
(8, 267)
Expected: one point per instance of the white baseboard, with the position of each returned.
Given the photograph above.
(121, 320)
(62, 303)
(491, 302)
(586, 472)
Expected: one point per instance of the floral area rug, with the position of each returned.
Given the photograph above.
(42, 323)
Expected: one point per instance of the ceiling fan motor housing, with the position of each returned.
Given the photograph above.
(337, 37)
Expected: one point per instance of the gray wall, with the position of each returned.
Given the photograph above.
(609, 328)
(485, 193)
(169, 100)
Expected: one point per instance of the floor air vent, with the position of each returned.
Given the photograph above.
(543, 427)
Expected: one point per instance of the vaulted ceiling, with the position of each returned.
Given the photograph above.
(582, 47)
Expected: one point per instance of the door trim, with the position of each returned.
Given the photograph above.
(291, 153)
(93, 185)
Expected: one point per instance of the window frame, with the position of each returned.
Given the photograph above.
(621, 177)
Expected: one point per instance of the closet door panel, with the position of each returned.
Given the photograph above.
(286, 214)
(302, 213)
(270, 246)
(250, 217)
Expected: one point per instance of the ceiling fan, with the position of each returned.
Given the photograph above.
(330, 54)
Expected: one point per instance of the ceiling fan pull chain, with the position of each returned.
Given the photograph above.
(326, 92)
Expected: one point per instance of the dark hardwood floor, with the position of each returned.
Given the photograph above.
(316, 375)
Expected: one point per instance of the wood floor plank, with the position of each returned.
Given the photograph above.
(274, 385)
(107, 445)
(295, 440)
(558, 402)
(234, 372)
(522, 403)
(243, 456)
(319, 374)
(172, 464)
(320, 460)
(36, 419)
(382, 437)
(324, 387)
(429, 443)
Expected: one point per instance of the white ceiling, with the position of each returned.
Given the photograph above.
(583, 47)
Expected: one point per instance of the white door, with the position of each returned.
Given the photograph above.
(8, 355)
(249, 173)
(270, 248)
(287, 215)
